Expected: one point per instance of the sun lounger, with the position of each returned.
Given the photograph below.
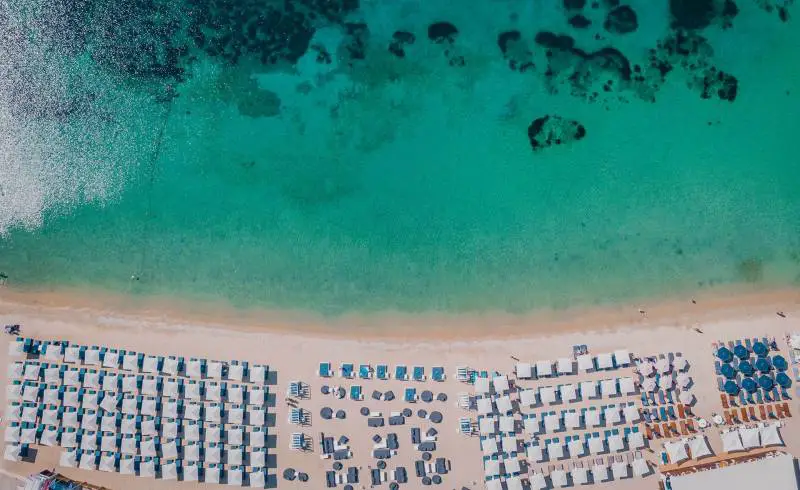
(346, 370)
(786, 411)
(763, 412)
(728, 418)
(723, 398)
(382, 371)
(681, 411)
(401, 373)
(752, 412)
(419, 373)
(656, 430)
(365, 371)
(743, 415)
(771, 412)
(325, 369)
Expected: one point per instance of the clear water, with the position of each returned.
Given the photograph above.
(389, 183)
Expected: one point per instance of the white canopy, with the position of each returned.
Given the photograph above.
(128, 446)
(632, 414)
(235, 394)
(500, 384)
(169, 429)
(544, 368)
(31, 371)
(191, 432)
(680, 363)
(256, 395)
(213, 413)
(491, 468)
(129, 406)
(559, 478)
(213, 392)
(663, 365)
(192, 390)
(150, 365)
(615, 443)
(572, 420)
(169, 450)
(489, 446)
(592, 418)
(698, 446)
(128, 425)
(191, 452)
(111, 359)
(147, 447)
(506, 423)
(585, 362)
(646, 368)
(213, 433)
(569, 393)
(683, 380)
(12, 433)
(600, 472)
(30, 393)
(258, 458)
(214, 369)
(52, 375)
(194, 368)
(524, 370)
(534, 453)
(750, 437)
(580, 475)
(486, 426)
(27, 435)
(608, 387)
(170, 367)
(552, 423)
(512, 465)
(504, 404)
(49, 437)
(147, 468)
(538, 481)
(108, 462)
(149, 407)
(770, 436)
(576, 448)
(547, 394)
(482, 386)
(235, 477)
(150, 386)
(110, 382)
(627, 386)
(588, 389)
(686, 397)
(71, 398)
(212, 475)
(72, 377)
(636, 440)
(620, 470)
(91, 357)
(665, 382)
(169, 408)
(70, 419)
(649, 384)
(555, 450)
(612, 415)
(235, 436)
(640, 467)
(169, 471)
(257, 479)
(50, 396)
(108, 423)
(527, 398)
(564, 366)
(69, 439)
(531, 425)
(258, 374)
(109, 402)
(605, 361)
(130, 362)
(52, 352)
(596, 445)
(130, 384)
(87, 461)
(676, 451)
(622, 357)
(126, 465)
(256, 415)
(72, 354)
(68, 458)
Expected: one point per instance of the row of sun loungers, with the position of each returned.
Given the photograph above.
(381, 371)
(764, 412)
(135, 362)
(566, 366)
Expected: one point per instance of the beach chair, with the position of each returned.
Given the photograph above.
(743, 414)
(325, 370)
(751, 410)
(438, 373)
(671, 412)
(771, 412)
(382, 371)
(779, 411)
(690, 425)
(684, 431)
(720, 384)
(346, 370)
(365, 371)
(662, 413)
(759, 397)
(656, 430)
(401, 373)
(681, 411)
(776, 394)
(410, 395)
(355, 393)
(728, 418)
(749, 344)
(418, 373)
(763, 412)
(786, 411)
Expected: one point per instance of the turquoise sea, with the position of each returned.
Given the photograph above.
(348, 155)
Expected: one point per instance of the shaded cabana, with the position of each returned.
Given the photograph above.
(676, 451)
(544, 368)
(589, 389)
(547, 394)
(572, 420)
(636, 440)
(615, 443)
(770, 436)
(608, 387)
(627, 386)
(527, 397)
(565, 366)
(731, 441)
(596, 445)
(592, 417)
(504, 404)
(523, 370)
(585, 362)
(559, 478)
(620, 470)
(699, 448)
(576, 448)
(555, 450)
(569, 392)
(750, 437)
(600, 473)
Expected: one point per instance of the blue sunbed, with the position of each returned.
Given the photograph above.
(401, 372)
(438, 373)
(410, 395)
(382, 371)
(325, 369)
(355, 392)
(347, 370)
(364, 371)
(419, 373)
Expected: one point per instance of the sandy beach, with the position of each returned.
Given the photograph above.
(295, 348)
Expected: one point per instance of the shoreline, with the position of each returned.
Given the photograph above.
(678, 311)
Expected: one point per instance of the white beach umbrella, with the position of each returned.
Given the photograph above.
(676, 452)
(111, 359)
(108, 462)
(110, 402)
(235, 477)
(72, 377)
(235, 436)
(130, 384)
(538, 481)
(128, 446)
(108, 423)
(149, 428)
(148, 407)
(663, 365)
(622, 357)
(147, 448)
(649, 384)
(580, 475)
(150, 365)
(169, 429)
(620, 470)
(632, 414)
(127, 465)
(572, 420)
(258, 438)
(615, 443)
(29, 413)
(70, 419)
(531, 425)
(49, 437)
(87, 461)
(489, 446)
(555, 450)
(27, 435)
(258, 374)
(191, 411)
(680, 363)
(547, 394)
(191, 431)
(683, 380)
(69, 439)
(91, 357)
(191, 472)
(482, 386)
(608, 387)
(213, 433)
(130, 406)
(596, 445)
(235, 394)
(150, 386)
(192, 390)
(504, 404)
(585, 362)
(194, 369)
(191, 451)
(258, 458)
(89, 420)
(89, 441)
(257, 479)
(770, 435)
(71, 398)
(646, 368)
(589, 389)
(527, 398)
(506, 424)
(12, 433)
(256, 395)
(110, 382)
(170, 367)
(565, 366)
(16, 348)
(600, 473)
(576, 448)
(30, 393)
(213, 392)
(213, 413)
(534, 453)
(52, 376)
(234, 456)
(627, 386)
(256, 415)
(53, 352)
(89, 401)
(171, 388)
(552, 423)
(636, 440)
(559, 478)
(214, 369)
(605, 361)
(130, 362)
(544, 368)
(486, 426)
(569, 392)
(147, 468)
(500, 384)
(13, 412)
(686, 397)
(640, 467)
(750, 437)
(50, 396)
(31, 371)
(524, 370)
(128, 425)
(68, 458)
(698, 446)
(169, 450)
(592, 418)
(169, 408)
(612, 415)
(72, 354)
(213, 454)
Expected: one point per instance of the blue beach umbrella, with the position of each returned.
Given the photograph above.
(731, 387)
(780, 363)
(728, 371)
(724, 354)
(783, 380)
(749, 384)
(760, 349)
(762, 364)
(765, 382)
(746, 368)
(741, 352)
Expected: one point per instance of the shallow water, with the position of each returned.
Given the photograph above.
(399, 183)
